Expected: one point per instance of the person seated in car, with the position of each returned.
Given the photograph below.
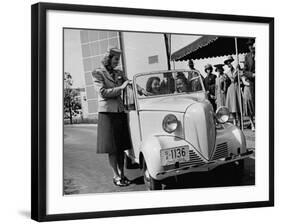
(167, 86)
(153, 85)
(181, 83)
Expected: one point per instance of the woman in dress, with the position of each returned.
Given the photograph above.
(222, 83)
(113, 132)
(233, 98)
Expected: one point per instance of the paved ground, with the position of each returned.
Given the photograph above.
(88, 172)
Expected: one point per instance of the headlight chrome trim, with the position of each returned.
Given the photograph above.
(170, 123)
(222, 114)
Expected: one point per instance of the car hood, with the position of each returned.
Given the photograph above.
(176, 103)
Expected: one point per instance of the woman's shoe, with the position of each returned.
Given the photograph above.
(126, 180)
(119, 182)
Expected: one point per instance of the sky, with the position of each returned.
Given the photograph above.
(73, 57)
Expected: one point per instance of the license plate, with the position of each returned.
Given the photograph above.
(173, 155)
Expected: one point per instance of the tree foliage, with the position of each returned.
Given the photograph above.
(72, 104)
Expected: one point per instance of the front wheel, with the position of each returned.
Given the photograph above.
(240, 164)
(151, 184)
(239, 169)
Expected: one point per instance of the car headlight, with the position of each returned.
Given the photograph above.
(170, 123)
(222, 114)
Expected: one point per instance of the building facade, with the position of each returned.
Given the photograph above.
(142, 52)
(94, 44)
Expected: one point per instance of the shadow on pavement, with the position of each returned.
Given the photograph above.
(138, 180)
(224, 176)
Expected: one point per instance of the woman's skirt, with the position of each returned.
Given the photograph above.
(220, 99)
(232, 99)
(113, 133)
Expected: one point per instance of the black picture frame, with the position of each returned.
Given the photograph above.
(39, 109)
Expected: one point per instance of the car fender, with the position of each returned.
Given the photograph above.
(150, 150)
(234, 136)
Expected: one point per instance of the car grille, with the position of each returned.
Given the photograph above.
(200, 129)
(221, 151)
(195, 160)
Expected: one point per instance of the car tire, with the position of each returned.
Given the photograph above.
(240, 164)
(151, 184)
(239, 169)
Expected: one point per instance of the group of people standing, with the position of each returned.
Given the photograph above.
(234, 88)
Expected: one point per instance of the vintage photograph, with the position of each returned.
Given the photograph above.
(157, 111)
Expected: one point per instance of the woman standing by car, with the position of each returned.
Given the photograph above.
(233, 98)
(113, 132)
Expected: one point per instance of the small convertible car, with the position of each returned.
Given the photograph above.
(174, 129)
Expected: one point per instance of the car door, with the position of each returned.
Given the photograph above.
(133, 118)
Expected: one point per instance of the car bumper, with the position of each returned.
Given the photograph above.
(203, 167)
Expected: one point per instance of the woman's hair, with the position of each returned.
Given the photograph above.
(210, 68)
(150, 81)
(106, 61)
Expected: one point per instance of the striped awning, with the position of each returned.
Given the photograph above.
(211, 46)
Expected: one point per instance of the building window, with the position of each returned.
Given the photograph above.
(153, 59)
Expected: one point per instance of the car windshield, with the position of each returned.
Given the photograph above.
(180, 82)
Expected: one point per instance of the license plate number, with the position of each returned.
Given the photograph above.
(173, 155)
